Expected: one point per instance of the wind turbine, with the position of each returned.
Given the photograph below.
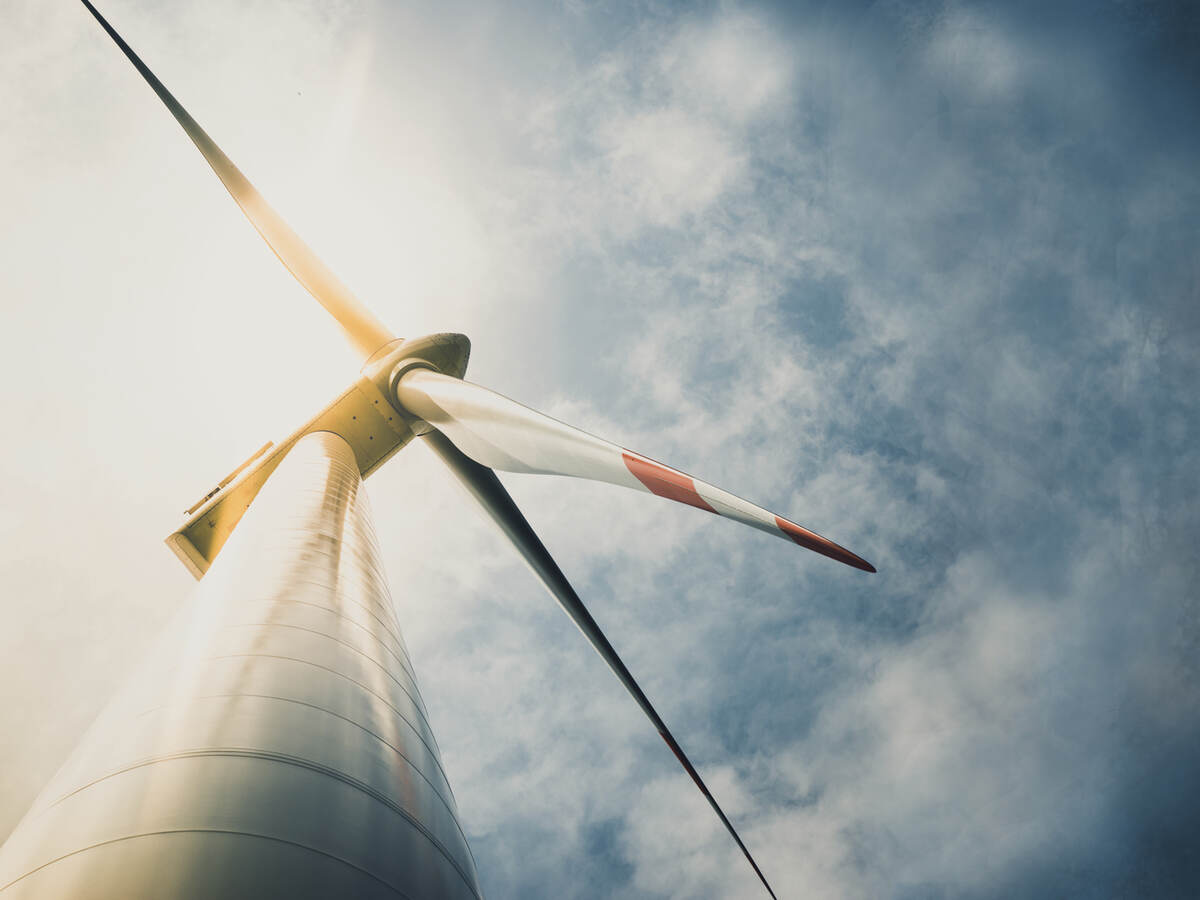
(276, 740)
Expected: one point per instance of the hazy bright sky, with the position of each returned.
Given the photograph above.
(922, 276)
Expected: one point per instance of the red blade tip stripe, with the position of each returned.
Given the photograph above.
(824, 546)
(664, 481)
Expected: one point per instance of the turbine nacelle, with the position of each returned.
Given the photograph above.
(365, 414)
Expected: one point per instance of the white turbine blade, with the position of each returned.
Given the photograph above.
(502, 434)
(365, 332)
(482, 483)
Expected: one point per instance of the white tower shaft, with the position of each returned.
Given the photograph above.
(274, 743)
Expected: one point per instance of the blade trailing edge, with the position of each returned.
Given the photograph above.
(482, 483)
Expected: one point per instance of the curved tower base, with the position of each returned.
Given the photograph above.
(274, 744)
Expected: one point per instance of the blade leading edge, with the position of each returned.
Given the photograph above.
(482, 483)
(364, 330)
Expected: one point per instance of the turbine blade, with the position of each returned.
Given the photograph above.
(482, 483)
(365, 332)
(502, 434)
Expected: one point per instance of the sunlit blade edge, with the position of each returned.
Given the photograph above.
(364, 330)
(482, 483)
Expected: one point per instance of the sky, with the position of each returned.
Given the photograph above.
(924, 277)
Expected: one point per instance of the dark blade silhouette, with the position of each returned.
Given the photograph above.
(482, 483)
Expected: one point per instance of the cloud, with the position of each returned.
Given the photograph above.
(977, 54)
(921, 277)
(954, 397)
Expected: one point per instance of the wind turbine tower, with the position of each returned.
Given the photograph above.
(275, 742)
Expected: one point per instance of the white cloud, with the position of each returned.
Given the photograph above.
(734, 66)
(708, 172)
(978, 53)
(667, 165)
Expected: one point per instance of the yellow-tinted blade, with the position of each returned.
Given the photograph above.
(365, 332)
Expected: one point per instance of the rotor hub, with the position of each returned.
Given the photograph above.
(444, 352)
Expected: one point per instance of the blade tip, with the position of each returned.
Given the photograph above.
(810, 540)
(855, 561)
